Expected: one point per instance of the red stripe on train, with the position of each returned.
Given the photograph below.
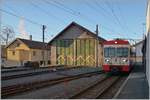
(123, 68)
(106, 67)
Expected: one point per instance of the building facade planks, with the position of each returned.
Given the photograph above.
(75, 46)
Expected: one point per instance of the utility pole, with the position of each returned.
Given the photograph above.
(43, 31)
(143, 24)
(97, 46)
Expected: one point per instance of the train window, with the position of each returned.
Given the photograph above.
(109, 52)
(106, 52)
(122, 52)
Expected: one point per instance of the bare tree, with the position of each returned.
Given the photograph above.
(7, 34)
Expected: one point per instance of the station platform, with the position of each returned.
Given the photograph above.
(135, 86)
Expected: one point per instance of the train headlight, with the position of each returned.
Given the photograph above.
(107, 60)
(124, 60)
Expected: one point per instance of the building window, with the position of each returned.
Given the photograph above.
(34, 53)
(48, 62)
(3, 60)
(41, 62)
(13, 52)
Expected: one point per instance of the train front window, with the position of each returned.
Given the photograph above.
(122, 52)
(109, 52)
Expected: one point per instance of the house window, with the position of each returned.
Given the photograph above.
(13, 52)
(3, 60)
(41, 62)
(34, 53)
(48, 62)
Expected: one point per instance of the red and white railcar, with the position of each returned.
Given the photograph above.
(116, 54)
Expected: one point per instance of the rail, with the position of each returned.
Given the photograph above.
(20, 88)
(95, 90)
(35, 73)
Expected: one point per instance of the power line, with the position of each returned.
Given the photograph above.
(125, 23)
(57, 6)
(46, 12)
(10, 13)
(104, 10)
(72, 12)
(98, 6)
(79, 15)
(12, 9)
(66, 9)
(112, 10)
(92, 7)
(115, 16)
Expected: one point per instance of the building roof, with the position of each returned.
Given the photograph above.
(116, 42)
(81, 27)
(141, 42)
(31, 44)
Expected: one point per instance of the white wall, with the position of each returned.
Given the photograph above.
(148, 42)
(139, 49)
(148, 58)
(148, 18)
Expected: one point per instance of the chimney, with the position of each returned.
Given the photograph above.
(31, 37)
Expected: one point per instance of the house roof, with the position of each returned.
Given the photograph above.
(31, 44)
(141, 42)
(81, 27)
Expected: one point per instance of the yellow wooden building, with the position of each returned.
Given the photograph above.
(76, 46)
(22, 50)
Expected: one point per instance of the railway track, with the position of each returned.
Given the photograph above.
(96, 90)
(20, 88)
(34, 73)
(28, 68)
(15, 70)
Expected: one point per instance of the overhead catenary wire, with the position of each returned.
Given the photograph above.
(103, 9)
(58, 6)
(75, 13)
(16, 12)
(99, 6)
(94, 8)
(68, 11)
(15, 15)
(79, 15)
(72, 10)
(47, 12)
(107, 12)
(115, 16)
(18, 16)
(123, 19)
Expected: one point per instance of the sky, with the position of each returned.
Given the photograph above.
(116, 18)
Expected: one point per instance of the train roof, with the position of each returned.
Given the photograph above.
(116, 42)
